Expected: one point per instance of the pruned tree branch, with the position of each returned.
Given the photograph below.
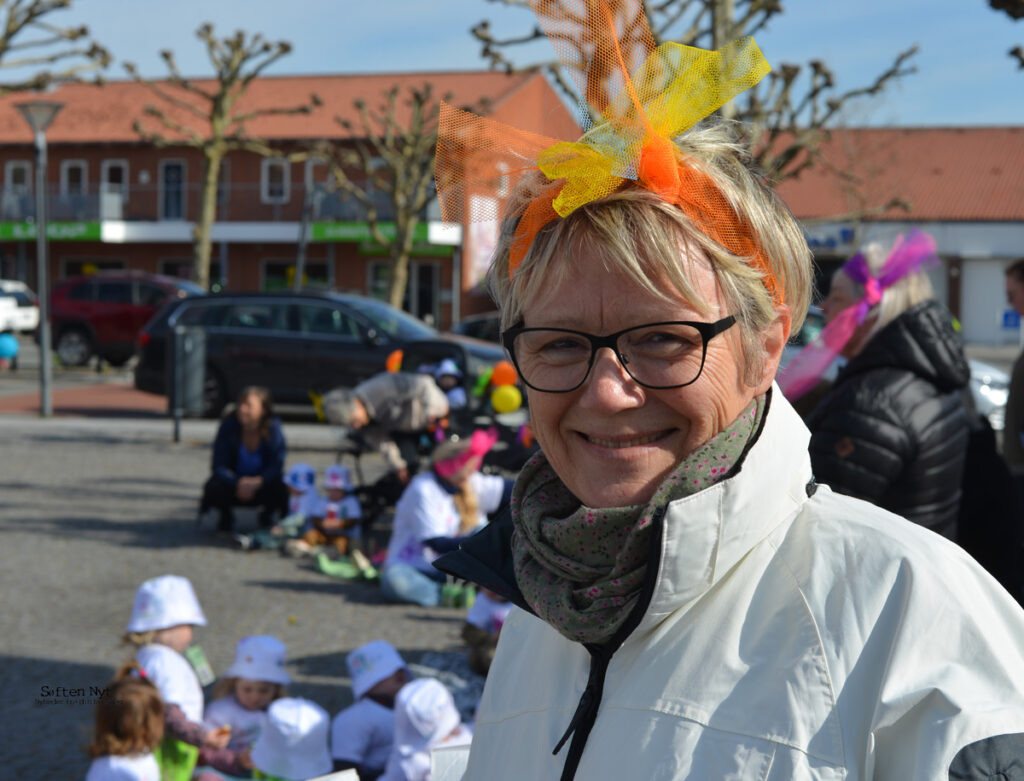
(204, 115)
(389, 152)
(28, 41)
(785, 117)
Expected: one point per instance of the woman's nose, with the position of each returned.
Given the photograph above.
(609, 385)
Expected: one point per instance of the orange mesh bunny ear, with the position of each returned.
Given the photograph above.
(642, 95)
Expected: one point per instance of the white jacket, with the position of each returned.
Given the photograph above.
(788, 637)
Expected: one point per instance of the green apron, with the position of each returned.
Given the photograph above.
(176, 758)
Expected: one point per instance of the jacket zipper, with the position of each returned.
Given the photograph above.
(583, 719)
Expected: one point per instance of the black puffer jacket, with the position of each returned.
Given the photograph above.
(893, 429)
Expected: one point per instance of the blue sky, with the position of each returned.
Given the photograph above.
(964, 74)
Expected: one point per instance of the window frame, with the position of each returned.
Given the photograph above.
(265, 194)
(65, 168)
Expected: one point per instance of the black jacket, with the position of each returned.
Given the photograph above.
(893, 429)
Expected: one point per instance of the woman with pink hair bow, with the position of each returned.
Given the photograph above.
(893, 428)
(438, 510)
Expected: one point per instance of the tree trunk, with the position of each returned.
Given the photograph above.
(207, 215)
(400, 250)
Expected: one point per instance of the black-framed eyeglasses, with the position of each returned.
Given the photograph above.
(659, 356)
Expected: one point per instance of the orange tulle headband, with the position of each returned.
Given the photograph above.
(644, 95)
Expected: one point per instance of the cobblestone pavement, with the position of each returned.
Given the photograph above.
(91, 508)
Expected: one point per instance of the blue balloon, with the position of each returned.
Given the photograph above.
(8, 346)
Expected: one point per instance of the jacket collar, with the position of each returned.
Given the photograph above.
(706, 534)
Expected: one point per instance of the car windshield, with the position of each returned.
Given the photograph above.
(189, 288)
(391, 321)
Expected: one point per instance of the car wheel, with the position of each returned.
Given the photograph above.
(74, 347)
(214, 395)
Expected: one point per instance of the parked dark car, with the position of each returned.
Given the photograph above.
(102, 314)
(485, 326)
(291, 343)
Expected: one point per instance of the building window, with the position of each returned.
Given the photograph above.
(172, 190)
(72, 267)
(74, 177)
(422, 292)
(16, 202)
(184, 268)
(280, 275)
(113, 189)
(18, 177)
(274, 180)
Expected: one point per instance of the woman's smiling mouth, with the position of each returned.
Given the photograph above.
(618, 443)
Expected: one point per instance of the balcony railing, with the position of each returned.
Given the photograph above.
(235, 203)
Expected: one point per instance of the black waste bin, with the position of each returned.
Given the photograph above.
(187, 371)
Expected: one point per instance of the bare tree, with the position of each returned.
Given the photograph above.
(35, 53)
(1015, 10)
(388, 161)
(785, 117)
(211, 121)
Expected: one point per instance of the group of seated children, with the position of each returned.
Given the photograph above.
(313, 520)
(151, 723)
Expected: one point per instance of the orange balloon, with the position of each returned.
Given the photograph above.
(394, 362)
(504, 374)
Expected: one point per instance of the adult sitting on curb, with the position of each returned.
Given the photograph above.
(437, 511)
(248, 462)
(390, 411)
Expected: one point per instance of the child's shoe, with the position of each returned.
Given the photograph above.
(297, 548)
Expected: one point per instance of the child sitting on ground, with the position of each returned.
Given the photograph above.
(163, 614)
(303, 501)
(362, 734)
(293, 743)
(129, 726)
(335, 521)
(483, 625)
(425, 718)
(256, 679)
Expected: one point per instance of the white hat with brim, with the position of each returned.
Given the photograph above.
(164, 602)
(370, 664)
(259, 658)
(293, 742)
(425, 714)
(301, 477)
(447, 367)
(337, 476)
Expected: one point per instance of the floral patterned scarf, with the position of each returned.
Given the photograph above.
(581, 568)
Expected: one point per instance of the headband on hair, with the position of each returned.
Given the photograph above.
(645, 95)
(479, 444)
(908, 255)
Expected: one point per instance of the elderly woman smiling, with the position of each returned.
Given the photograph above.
(692, 604)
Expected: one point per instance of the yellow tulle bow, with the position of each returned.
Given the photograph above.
(675, 88)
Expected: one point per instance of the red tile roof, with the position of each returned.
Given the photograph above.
(949, 174)
(105, 114)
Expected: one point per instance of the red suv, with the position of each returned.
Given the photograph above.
(102, 314)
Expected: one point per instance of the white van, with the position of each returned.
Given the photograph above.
(24, 315)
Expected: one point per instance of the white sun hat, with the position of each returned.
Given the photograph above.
(259, 658)
(163, 602)
(301, 477)
(425, 714)
(293, 742)
(447, 366)
(337, 476)
(370, 664)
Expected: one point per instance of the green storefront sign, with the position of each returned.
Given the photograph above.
(55, 231)
(360, 231)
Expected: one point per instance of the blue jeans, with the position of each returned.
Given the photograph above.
(404, 583)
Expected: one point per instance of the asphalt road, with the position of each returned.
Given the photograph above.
(92, 507)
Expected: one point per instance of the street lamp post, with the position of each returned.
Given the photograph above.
(39, 114)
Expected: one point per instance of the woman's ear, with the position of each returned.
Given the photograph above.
(773, 340)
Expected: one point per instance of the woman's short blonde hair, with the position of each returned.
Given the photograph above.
(633, 231)
(900, 296)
